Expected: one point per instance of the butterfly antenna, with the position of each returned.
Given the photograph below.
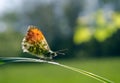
(61, 51)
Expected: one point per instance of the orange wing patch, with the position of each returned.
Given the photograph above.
(34, 35)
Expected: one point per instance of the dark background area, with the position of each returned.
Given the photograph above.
(85, 28)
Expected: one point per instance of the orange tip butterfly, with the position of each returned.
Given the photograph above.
(35, 43)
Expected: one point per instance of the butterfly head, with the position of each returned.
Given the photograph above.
(61, 52)
(52, 54)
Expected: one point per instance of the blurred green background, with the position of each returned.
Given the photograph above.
(90, 30)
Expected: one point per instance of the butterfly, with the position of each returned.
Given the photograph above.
(35, 43)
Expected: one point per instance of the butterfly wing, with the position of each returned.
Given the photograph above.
(35, 43)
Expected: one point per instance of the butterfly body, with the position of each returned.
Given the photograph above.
(35, 43)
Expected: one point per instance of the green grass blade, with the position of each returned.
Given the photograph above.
(19, 59)
(104, 80)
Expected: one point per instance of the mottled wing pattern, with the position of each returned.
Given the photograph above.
(35, 43)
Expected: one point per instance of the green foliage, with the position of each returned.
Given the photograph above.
(101, 30)
(82, 34)
(97, 34)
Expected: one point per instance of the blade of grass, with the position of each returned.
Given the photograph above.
(19, 59)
